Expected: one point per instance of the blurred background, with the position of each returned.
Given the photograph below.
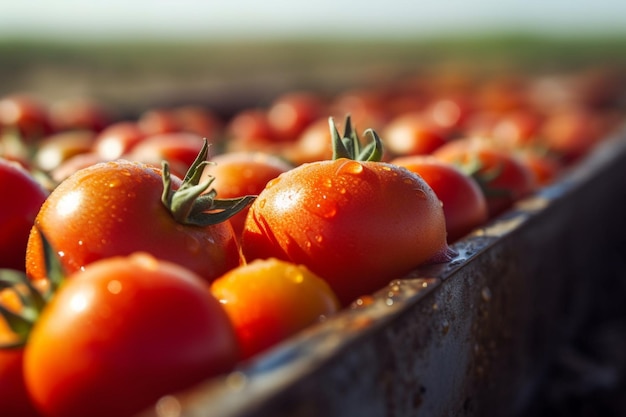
(135, 54)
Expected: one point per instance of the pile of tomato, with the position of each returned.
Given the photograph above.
(140, 256)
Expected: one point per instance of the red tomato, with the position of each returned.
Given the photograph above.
(25, 113)
(78, 113)
(345, 221)
(117, 208)
(179, 149)
(503, 178)
(412, 134)
(269, 300)
(290, 113)
(55, 149)
(199, 120)
(117, 139)
(122, 333)
(464, 204)
(158, 121)
(237, 174)
(14, 399)
(249, 127)
(571, 132)
(26, 196)
(314, 144)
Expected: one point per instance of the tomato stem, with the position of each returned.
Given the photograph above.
(194, 203)
(349, 145)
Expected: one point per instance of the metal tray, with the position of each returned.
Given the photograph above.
(473, 337)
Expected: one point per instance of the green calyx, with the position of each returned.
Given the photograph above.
(31, 299)
(349, 145)
(191, 204)
(484, 178)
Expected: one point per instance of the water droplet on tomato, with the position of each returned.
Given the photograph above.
(445, 327)
(262, 203)
(272, 182)
(327, 182)
(61, 254)
(350, 168)
(115, 182)
(114, 286)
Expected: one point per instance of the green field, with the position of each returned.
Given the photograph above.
(133, 75)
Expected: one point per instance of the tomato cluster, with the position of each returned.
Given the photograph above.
(164, 249)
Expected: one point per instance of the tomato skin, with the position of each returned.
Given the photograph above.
(117, 139)
(236, 174)
(17, 215)
(27, 114)
(269, 300)
(464, 204)
(290, 113)
(121, 334)
(345, 221)
(14, 399)
(412, 134)
(505, 179)
(114, 208)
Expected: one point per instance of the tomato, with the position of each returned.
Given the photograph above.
(290, 113)
(119, 207)
(53, 150)
(571, 132)
(269, 300)
(199, 120)
(313, 144)
(117, 139)
(412, 134)
(26, 114)
(14, 399)
(78, 114)
(503, 178)
(357, 224)
(249, 128)
(237, 174)
(464, 204)
(158, 121)
(22, 199)
(122, 333)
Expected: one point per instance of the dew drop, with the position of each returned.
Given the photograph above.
(262, 203)
(115, 182)
(485, 293)
(350, 168)
(272, 182)
(328, 183)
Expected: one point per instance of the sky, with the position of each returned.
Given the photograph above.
(85, 19)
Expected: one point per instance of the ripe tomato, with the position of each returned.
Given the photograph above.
(237, 174)
(356, 224)
(290, 113)
(122, 333)
(27, 114)
(269, 300)
(117, 139)
(179, 149)
(78, 114)
(412, 134)
(14, 399)
(55, 149)
(464, 204)
(26, 196)
(119, 207)
(503, 178)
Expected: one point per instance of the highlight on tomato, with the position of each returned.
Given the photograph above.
(120, 207)
(354, 221)
(269, 300)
